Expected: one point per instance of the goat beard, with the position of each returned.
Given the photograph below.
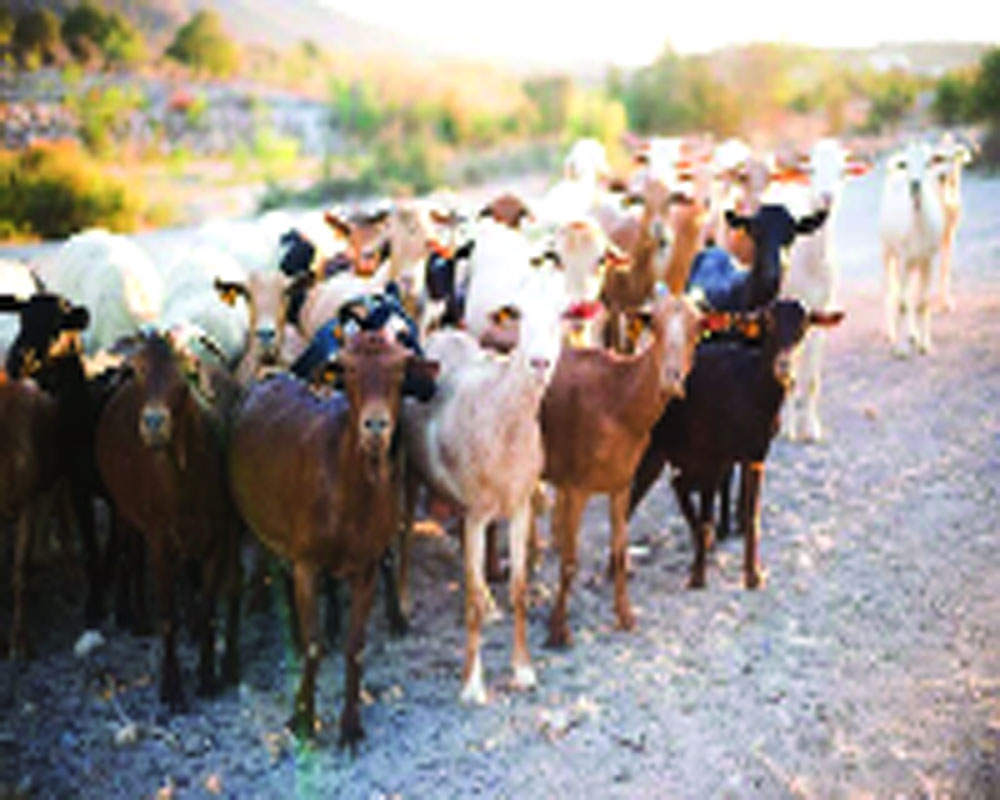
(375, 456)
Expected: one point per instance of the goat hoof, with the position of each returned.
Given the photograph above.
(302, 724)
(524, 678)
(754, 579)
(696, 582)
(625, 620)
(207, 687)
(230, 671)
(399, 625)
(559, 637)
(174, 700)
(351, 732)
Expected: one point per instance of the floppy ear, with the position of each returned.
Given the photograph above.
(228, 291)
(420, 378)
(77, 319)
(826, 319)
(385, 250)
(378, 216)
(340, 226)
(738, 221)
(9, 302)
(465, 250)
(812, 222)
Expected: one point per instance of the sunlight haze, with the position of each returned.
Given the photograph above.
(631, 33)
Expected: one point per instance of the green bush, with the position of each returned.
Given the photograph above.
(203, 45)
(52, 190)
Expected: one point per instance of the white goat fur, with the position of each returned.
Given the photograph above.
(113, 277)
(500, 268)
(191, 297)
(813, 277)
(15, 279)
(911, 223)
(478, 444)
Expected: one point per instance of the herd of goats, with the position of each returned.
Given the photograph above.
(306, 377)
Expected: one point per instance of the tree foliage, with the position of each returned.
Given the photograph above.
(36, 37)
(202, 44)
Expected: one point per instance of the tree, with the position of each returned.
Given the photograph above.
(986, 90)
(123, 43)
(6, 26)
(36, 37)
(952, 99)
(84, 29)
(203, 45)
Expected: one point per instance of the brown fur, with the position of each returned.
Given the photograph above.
(314, 477)
(167, 479)
(596, 417)
(28, 438)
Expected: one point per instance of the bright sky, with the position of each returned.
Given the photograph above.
(632, 32)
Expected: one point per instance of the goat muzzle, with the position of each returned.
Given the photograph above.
(155, 426)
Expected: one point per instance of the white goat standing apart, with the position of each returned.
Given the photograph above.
(950, 157)
(478, 444)
(911, 223)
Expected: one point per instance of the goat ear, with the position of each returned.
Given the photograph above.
(9, 302)
(77, 319)
(813, 222)
(465, 250)
(420, 378)
(378, 216)
(228, 291)
(734, 220)
(549, 255)
(385, 250)
(826, 319)
(339, 225)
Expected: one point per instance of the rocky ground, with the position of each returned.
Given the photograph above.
(869, 665)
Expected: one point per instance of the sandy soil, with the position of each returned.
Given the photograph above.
(869, 665)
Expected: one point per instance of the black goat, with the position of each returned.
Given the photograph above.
(728, 415)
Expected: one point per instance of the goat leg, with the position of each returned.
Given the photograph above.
(724, 529)
(624, 616)
(398, 622)
(682, 491)
(473, 684)
(362, 595)
(752, 478)
(566, 527)
(520, 532)
(234, 585)
(18, 644)
(303, 719)
(83, 508)
(171, 693)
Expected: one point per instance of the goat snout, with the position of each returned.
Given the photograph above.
(376, 426)
(267, 335)
(915, 193)
(673, 381)
(783, 372)
(539, 364)
(154, 426)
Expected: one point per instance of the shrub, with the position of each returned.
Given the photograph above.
(203, 45)
(54, 189)
(36, 37)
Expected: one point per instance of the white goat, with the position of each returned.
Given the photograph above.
(191, 297)
(911, 223)
(950, 157)
(478, 444)
(500, 267)
(112, 277)
(15, 279)
(813, 277)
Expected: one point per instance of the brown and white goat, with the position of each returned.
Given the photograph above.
(478, 445)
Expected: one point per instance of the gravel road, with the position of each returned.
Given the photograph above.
(869, 665)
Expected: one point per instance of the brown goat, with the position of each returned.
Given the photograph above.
(596, 417)
(160, 452)
(28, 467)
(316, 478)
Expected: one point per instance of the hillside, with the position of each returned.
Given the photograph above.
(277, 23)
